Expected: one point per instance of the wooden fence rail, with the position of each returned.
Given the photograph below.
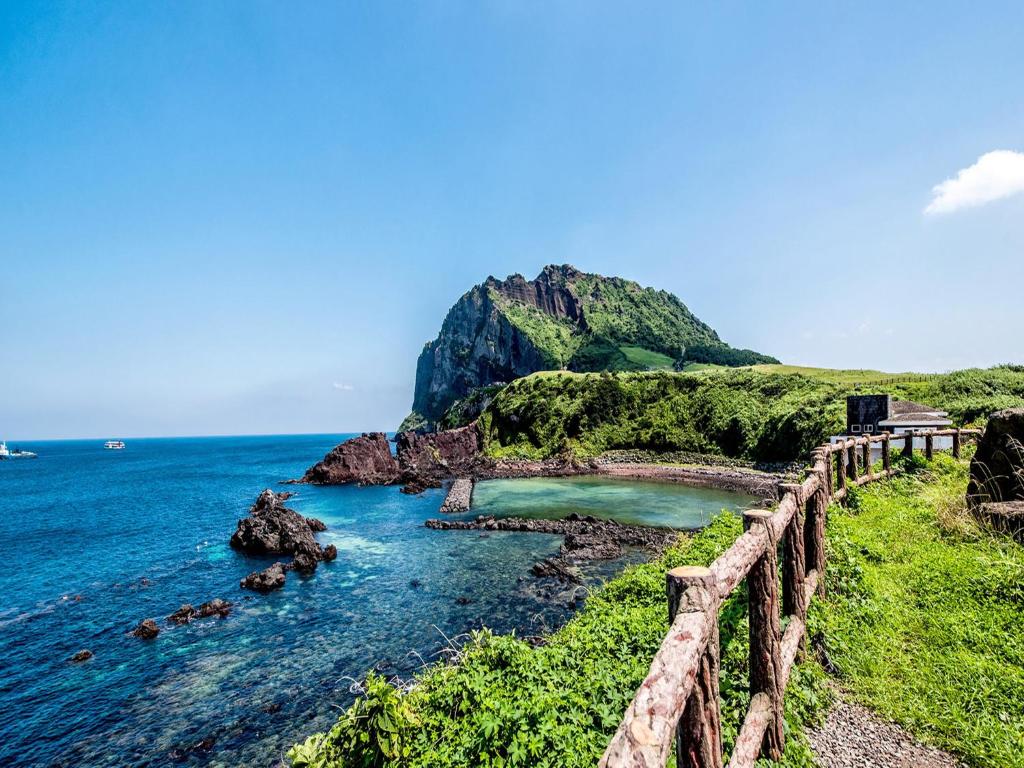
(678, 700)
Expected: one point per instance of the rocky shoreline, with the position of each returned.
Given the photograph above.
(424, 461)
(586, 538)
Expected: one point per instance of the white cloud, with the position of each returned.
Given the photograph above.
(996, 175)
(342, 387)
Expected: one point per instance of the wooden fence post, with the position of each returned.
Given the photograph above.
(956, 444)
(908, 444)
(867, 456)
(929, 446)
(794, 564)
(699, 732)
(841, 469)
(886, 454)
(765, 634)
(851, 461)
(814, 538)
(828, 481)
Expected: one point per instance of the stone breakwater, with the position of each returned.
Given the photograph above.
(763, 484)
(460, 496)
(586, 538)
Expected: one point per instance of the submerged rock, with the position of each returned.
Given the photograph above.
(586, 538)
(557, 569)
(187, 612)
(183, 615)
(216, 607)
(146, 630)
(266, 580)
(83, 655)
(417, 484)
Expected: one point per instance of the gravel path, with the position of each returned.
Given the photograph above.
(854, 737)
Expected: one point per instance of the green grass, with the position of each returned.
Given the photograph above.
(646, 359)
(925, 622)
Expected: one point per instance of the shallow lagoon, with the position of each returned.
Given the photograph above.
(135, 533)
(642, 502)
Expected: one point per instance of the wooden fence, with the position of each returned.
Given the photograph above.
(679, 697)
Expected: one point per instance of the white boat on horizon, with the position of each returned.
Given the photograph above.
(114, 445)
(14, 453)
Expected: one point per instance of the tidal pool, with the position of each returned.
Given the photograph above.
(641, 502)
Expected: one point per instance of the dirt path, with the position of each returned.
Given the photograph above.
(855, 737)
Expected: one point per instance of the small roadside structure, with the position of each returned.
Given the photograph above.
(869, 414)
(874, 414)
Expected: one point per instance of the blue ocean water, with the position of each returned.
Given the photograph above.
(97, 540)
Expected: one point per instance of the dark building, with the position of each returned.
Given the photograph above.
(870, 414)
(864, 412)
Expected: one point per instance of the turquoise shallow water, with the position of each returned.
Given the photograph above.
(97, 540)
(628, 501)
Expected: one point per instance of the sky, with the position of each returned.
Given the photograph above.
(247, 218)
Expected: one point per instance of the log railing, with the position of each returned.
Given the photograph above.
(678, 700)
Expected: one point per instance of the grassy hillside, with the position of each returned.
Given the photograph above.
(764, 413)
(923, 617)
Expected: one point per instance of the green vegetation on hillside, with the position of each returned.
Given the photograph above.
(924, 620)
(625, 328)
(554, 337)
(766, 413)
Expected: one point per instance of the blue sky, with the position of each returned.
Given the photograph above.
(227, 218)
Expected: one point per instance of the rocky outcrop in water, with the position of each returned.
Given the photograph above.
(273, 529)
(997, 469)
(266, 580)
(83, 655)
(146, 630)
(586, 538)
(187, 612)
(365, 460)
(438, 454)
(421, 460)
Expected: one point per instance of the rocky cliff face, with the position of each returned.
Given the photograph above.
(504, 329)
(478, 345)
(365, 459)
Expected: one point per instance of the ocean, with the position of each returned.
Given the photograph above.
(97, 540)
